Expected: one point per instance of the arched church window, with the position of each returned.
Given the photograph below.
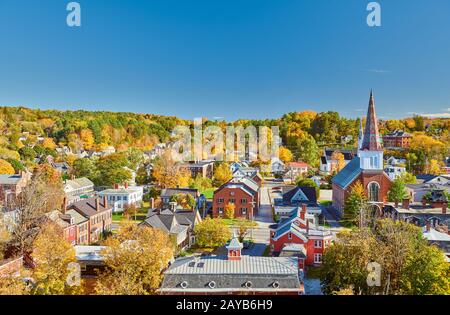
(374, 191)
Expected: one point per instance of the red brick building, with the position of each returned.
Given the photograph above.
(297, 236)
(67, 225)
(11, 186)
(366, 168)
(242, 192)
(397, 140)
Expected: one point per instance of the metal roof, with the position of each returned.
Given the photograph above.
(348, 174)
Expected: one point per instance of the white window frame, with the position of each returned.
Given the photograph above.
(317, 258)
(317, 244)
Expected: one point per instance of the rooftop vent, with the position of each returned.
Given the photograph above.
(212, 284)
(184, 284)
(248, 284)
(276, 284)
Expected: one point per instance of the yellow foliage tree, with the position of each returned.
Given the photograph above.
(134, 259)
(285, 154)
(87, 139)
(53, 255)
(434, 167)
(6, 167)
(48, 143)
(222, 173)
(229, 211)
(340, 160)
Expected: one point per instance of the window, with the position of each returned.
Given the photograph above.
(317, 244)
(374, 190)
(244, 211)
(220, 200)
(231, 200)
(220, 210)
(289, 236)
(244, 201)
(317, 258)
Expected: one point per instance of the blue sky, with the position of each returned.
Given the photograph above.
(227, 58)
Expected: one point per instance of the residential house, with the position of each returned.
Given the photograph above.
(249, 172)
(11, 186)
(394, 161)
(202, 168)
(328, 165)
(394, 171)
(438, 238)
(418, 191)
(99, 215)
(234, 166)
(277, 166)
(108, 150)
(177, 222)
(295, 169)
(366, 168)
(397, 139)
(82, 227)
(78, 188)
(300, 237)
(91, 260)
(292, 197)
(120, 198)
(66, 223)
(433, 179)
(432, 211)
(232, 274)
(243, 193)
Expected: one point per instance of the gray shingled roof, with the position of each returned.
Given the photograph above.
(6, 179)
(86, 207)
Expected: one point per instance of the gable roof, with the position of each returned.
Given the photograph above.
(348, 174)
(77, 218)
(290, 191)
(86, 207)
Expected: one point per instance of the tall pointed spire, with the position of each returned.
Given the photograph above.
(371, 140)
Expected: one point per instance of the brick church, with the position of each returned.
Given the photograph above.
(366, 167)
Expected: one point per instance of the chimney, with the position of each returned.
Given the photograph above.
(116, 186)
(126, 185)
(424, 202)
(428, 226)
(105, 201)
(444, 208)
(405, 203)
(64, 205)
(152, 203)
(303, 212)
(97, 204)
(172, 206)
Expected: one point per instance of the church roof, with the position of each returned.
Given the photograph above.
(371, 140)
(348, 174)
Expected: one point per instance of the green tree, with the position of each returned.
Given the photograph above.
(409, 265)
(407, 178)
(112, 170)
(212, 233)
(27, 153)
(397, 192)
(84, 168)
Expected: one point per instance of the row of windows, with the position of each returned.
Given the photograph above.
(232, 200)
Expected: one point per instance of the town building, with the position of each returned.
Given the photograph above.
(249, 172)
(328, 164)
(438, 238)
(295, 169)
(121, 198)
(232, 274)
(292, 196)
(78, 188)
(201, 168)
(433, 179)
(82, 227)
(366, 168)
(297, 236)
(11, 186)
(98, 213)
(397, 139)
(243, 193)
(66, 223)
(176, 222)
(394, 171)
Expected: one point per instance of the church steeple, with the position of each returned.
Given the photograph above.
(371, 140)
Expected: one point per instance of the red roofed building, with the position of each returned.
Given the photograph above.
(298, 236)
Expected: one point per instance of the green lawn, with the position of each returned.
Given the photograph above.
(232, 222)
(209, 193)
(118, 217)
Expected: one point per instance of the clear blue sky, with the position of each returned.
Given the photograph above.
(226, 58)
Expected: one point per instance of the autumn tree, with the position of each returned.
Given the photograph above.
(167, 173)
(84, 168)
(53, 256)
(48, 143)
(112, 170)
(201, 183)
(87, 139)
(13, 285)
(41, 195)
(222, 174)
(355, 203)
(229, 211)
(285, 155)
(409, 265)
(5, 236)
(340, 161)
(212, 233)
(6, 167)
(407, 178)
(134, 259)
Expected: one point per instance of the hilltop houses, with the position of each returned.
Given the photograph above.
(397, 139)
(365, 168)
